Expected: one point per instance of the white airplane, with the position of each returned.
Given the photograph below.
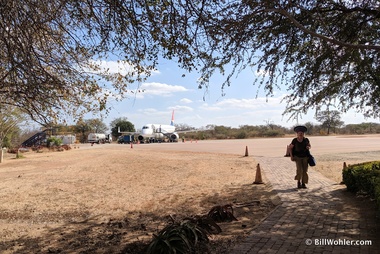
(157, 132)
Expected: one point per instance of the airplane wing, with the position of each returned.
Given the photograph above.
(127, 132)
(185, 131)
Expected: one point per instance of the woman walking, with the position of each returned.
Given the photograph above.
(299, 152)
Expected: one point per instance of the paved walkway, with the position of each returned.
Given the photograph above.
(308, 219)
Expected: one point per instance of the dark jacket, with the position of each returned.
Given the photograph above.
(299, 148)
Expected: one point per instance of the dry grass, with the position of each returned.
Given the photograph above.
(112, 200)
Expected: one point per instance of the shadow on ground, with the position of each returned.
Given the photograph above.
(252, 204)
(132, 234)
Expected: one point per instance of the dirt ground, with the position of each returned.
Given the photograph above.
(112, 199)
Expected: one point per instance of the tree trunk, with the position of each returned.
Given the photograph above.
(1, 155)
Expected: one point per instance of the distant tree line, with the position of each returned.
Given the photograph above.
(267, 131)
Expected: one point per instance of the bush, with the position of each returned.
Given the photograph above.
(190, 235)
(203, 135)
(364, 178)
(179, 237)
(241, 135)
(273, 133)
(221, 136)
(54, 141)
(253, 134)
(377, 195)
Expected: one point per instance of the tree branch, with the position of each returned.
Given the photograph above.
(323, 37)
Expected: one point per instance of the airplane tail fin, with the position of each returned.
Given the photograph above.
(172, 121)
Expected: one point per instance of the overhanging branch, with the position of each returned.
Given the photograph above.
(323, 37)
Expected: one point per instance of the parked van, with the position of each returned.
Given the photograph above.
(125, 139)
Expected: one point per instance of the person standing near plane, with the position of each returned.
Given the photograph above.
(299, 152)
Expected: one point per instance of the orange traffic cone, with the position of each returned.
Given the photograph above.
(258, 179)
(246, 151)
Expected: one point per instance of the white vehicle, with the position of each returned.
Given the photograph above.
(157, 132)
(99, 138)
(67, 139)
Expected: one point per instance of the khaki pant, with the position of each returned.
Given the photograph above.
(302, 166)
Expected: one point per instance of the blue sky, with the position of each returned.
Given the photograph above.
(167, 90)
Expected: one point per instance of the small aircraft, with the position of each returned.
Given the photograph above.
(157, 132)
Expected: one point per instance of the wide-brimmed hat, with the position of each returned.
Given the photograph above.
(300, 128)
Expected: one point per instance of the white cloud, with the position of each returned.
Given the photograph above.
(181, 108)
(148, 111)
(235, 112)
(160, 89)
(250, 104)
(206, 107)
(121, 67)
(186, 101)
